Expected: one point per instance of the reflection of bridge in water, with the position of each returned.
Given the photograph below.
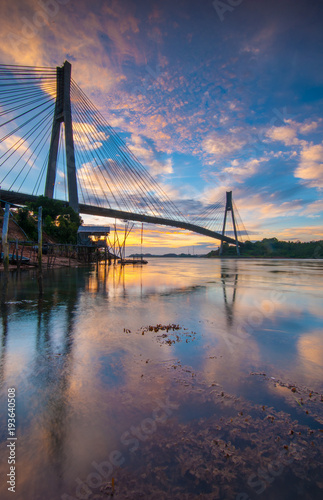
(50, 354)
(49, 368)
(229, 282)
(54, 141)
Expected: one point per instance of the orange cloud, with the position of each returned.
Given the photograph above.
(313, 209)
(311, 165)
(301, 233)
(87, 136)
(34, 35)
(218, 145)
(240, 170)
(310, 347)
(285, 134)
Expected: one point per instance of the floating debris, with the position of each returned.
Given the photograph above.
(308, 398)
(216, 455)
(172, 333)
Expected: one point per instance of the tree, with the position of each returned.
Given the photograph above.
(59, 221)
(27, 223)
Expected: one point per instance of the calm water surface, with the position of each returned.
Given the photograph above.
(185, 378)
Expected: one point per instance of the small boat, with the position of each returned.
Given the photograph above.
(132, 261)
(13, 259)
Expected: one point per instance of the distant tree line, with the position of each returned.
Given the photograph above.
(59, 221)
(272, 247)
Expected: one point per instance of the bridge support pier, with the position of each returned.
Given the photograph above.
(63, 114)
(5, 244)
(229, 208)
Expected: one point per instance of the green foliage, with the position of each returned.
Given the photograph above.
(273, 248)
(59, 222)
(27, 223)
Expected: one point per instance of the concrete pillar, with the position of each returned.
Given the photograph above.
(229, 208)
(63, 113)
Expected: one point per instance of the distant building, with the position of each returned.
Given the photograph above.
(93, 236)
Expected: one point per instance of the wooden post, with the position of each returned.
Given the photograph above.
(124, 243)
(142, 231)
(22, 253)
(5, 245)
(114, 241)
(17, 255)
(40, 250)
(5, 249)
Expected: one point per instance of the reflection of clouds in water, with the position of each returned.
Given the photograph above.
(310, 348)
(86, 380)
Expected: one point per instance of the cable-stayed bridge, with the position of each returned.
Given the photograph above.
(54, 141)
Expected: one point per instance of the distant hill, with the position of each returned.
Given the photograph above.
(273, 248)
(166, 255)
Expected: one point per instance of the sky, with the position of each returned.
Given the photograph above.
(211, 96)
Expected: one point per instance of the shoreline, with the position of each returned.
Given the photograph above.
(60, 262)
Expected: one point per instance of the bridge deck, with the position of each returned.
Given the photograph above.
(22, 199)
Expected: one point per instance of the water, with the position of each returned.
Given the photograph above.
(223, 403)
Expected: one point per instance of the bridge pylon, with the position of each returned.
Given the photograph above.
(63, 113)
(229, 208)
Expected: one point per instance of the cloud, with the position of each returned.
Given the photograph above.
(36, 37)
(302, 233)
(133, 63)
(257, 209)
(16, 155)
(310, 167)
(240, 170)
(262, 209)
(314, 209)
(222, 145)
(264, 218)
(100, 186)
(87, 136)
(286, 134)
(147, 156)
(310, 348)
(261, 42)
(310, 155)
(13, 142)
(212, 195)
(308, 127)
(120, 24)
(111, 184)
